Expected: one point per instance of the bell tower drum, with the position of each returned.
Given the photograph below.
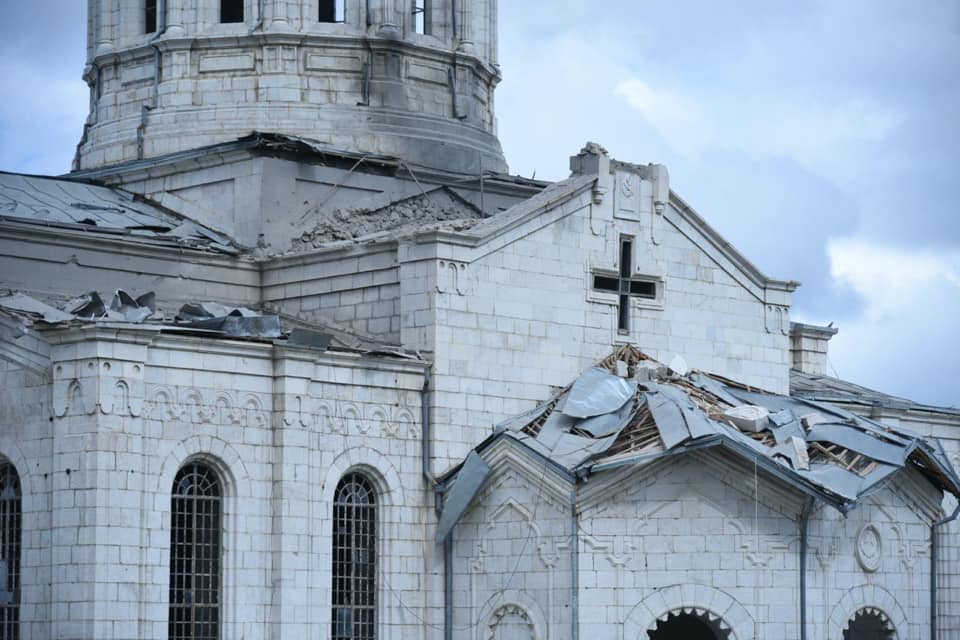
(413, 79)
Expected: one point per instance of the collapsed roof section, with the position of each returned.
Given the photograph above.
(73, 205)
(207, 319)
(632, 410)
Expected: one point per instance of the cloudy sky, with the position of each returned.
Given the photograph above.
(822, 138)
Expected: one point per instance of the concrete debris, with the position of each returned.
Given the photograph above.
(647, 370)
(679, 366)
(749, 418)
(794, 450)
(398, 218)
(810, 420)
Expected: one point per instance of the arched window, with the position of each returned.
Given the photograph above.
(231, 10)
(420, 16)
(869, 624)
(149, 16)
(689, 625)
(354, 593)
(195, 534)
(332, 11)
(10, 534)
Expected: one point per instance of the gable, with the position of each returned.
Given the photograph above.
(532, 284)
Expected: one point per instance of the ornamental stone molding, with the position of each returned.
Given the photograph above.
(872, 598)
(695, 599)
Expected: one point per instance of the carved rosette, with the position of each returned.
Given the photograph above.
(869, 548)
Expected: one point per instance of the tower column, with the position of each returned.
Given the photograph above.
(465, 25)
(387, 17)
(174, 22)
(278, 15)
(107, 16)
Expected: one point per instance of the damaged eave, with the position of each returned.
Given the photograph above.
(22, 345)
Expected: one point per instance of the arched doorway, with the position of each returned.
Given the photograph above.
(689, 625)
(869, 624)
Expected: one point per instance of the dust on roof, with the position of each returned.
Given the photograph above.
(401, 217)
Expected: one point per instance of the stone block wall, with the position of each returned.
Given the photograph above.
(97, 464)
(518, 316)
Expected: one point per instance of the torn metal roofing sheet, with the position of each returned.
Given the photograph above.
(78, 205)
(603, 420)
(209, 319)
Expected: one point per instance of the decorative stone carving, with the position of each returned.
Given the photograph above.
(511, 622)
(453, 277)
(869, 548)
(197, 406)
(777, 319)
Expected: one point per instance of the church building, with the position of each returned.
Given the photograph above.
(291, 354)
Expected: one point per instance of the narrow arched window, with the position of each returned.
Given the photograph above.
(195, 535)
(149, 16)
(10, 535)
(354, 593)
(231, 10)
(420, 16)
(332, 11)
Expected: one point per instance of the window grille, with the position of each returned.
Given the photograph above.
(10, 537)
(231, 10)
(149, 16)
(195, 534)
(354, 560)
(333, 11)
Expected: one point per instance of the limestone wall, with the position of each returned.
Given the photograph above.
(280, 429)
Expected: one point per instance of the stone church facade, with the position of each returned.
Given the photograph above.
(290, 354)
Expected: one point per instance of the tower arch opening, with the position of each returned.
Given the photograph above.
(869, 624)
(689, 624)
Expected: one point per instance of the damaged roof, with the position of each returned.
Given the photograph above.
(77, 205)
(824, 388)
(207, 319)
(632, 410)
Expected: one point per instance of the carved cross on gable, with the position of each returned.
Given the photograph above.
(624, 284)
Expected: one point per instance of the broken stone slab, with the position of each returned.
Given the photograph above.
(649, 370)
(679, 366)
(810, 420)
(794, 450)
(748, 417)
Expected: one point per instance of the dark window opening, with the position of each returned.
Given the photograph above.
(332, 11)
(869, 625)
(195, 547)
(625, 285)
(643, 289)
(150, 16)
(231, 10)
(687, 626)
(11, 531)
(606, 283)
(626, 257)
(354, 595)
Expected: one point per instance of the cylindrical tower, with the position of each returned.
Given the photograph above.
(407, 78)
